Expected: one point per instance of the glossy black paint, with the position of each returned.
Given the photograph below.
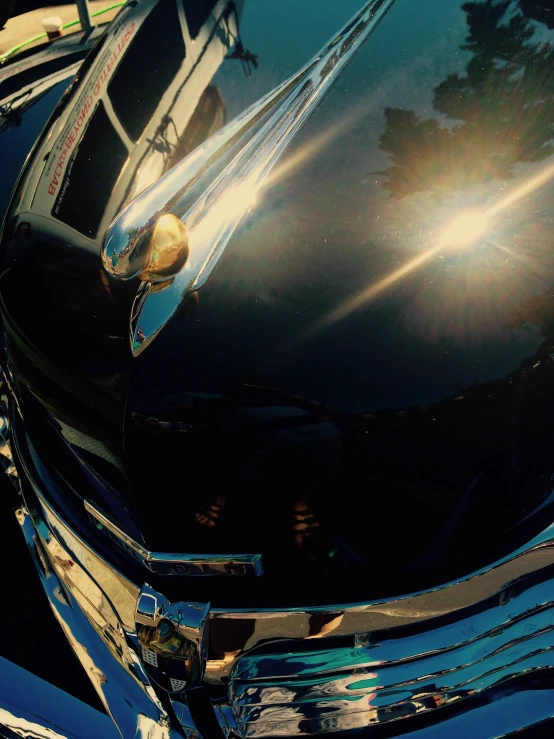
(336, 356)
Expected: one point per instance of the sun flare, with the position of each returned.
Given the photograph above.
(465, 229)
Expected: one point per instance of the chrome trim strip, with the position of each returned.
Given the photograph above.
(361, 618)
(31, 707)
(124, 689)
(165, 563)
(292, 692)
(355, 618)
(507, 712)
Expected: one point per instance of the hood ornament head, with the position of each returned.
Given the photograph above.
(155, 252)
(173, 640)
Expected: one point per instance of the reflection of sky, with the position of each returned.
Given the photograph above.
(16, 141)
(447, 321)
(287, 34)
(399, 66)
(332, 205)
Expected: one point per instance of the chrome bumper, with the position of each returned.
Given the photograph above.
(33, 708)
(115, 672)
(471, 657)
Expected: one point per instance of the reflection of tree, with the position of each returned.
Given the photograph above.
(539, 10)
(501, 112)
(538, 311)
(11, 113)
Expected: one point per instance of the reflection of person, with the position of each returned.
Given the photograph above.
(302, 451)
(228, 638)
(167, 641)
(248, 59)
(164, 639)
(65, 563)
(322, 624)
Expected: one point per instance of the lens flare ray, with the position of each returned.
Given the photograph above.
(461, 231)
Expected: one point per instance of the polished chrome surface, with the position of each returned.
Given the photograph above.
(173, 640)
(6, 456)
(287, 692)
(508, 712)
(212, 220)
(32, 708)
(37, 77)
(171, 563)
(364, 618)
(314, 669)
(120, 682)
(498, 630)
(168, 249)
(126, 245)
(105, 593)
(5, 449)
(318, 691)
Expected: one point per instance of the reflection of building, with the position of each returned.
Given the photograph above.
(133, 109)
(131, 120)
(29, 76)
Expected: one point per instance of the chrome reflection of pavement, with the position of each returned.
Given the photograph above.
(20, 28)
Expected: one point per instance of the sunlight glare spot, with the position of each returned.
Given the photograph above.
(229, 207)
(237, 199)
(465, 229)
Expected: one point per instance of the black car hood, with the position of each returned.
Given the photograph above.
(375, 343)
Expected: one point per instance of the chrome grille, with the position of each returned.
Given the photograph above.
(394, 677)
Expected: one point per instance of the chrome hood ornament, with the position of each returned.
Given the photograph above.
(213, 218)
(173, 640)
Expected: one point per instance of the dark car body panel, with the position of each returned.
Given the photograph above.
(372, 348)
(336, 353)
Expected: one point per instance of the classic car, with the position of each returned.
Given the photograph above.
(277, 313)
